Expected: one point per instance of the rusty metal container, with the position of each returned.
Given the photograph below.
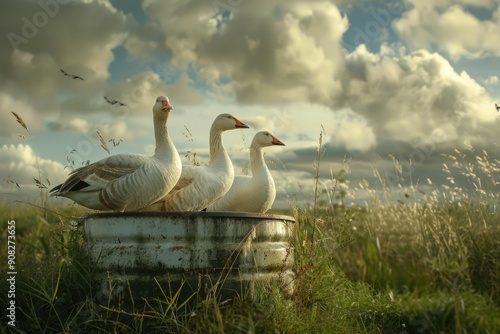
(157, 254)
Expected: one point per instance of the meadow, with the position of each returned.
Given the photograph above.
(428, 262)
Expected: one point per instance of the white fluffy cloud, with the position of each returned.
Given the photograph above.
(40, 41)
(409, 97)
(43, 36)
(272, 51)
(352, 132)
(448, 26)
(20, 164)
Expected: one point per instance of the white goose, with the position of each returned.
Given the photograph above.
(200, 186)
(254, 193)
(127, 182)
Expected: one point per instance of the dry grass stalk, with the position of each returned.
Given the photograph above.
(39, 184)
(20, 121)
(9, 180)
(103, 142)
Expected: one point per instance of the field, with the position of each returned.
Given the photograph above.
(425, 263)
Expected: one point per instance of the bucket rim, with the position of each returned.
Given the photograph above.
(189, 214)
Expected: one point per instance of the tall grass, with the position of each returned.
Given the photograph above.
(445, 239)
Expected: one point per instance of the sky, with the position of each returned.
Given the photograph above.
(405, 81)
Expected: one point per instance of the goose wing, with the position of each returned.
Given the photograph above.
(96, 176)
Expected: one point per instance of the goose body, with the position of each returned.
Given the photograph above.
(128, 182)
(254, 193)
(200, 186)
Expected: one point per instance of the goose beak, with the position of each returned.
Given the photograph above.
(166, 106)
(240, 124)
(276, 141)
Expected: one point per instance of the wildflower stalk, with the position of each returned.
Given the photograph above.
(320, 151)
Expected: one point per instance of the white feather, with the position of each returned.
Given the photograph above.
(127, 182)
(254, 193)
(200, 186)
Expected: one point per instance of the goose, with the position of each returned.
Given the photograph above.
(128, 182)
(254, 193)
(200, 186)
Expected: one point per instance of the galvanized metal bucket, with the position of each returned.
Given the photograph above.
(157, 254)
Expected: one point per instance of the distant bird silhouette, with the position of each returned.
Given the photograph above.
(113, 102)
(71, 75)
(497, 106)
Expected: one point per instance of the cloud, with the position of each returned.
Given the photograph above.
(141, 90)
(115, 128)
(491, 80)
(448, 26)
(43, 39)
(274, 53)
(40, 38)
(353, 133)
(411, 96)
(271, 51)
(73, 124)
(21, 164)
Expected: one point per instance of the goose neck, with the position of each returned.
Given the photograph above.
(162, 139)
(257, 159)
(217, 151)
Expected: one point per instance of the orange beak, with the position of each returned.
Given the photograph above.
(240, 124)
(276, 141)
(166, 105)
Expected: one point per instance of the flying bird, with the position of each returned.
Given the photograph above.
(71, 75)
(497, 106)
(113, 102)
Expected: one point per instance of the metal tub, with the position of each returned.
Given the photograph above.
(220, 254)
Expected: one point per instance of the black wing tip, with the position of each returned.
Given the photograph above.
(55, 191)
(79, 186)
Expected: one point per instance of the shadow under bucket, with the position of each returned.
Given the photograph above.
(218, 254)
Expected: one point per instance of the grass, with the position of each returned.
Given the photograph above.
(375, 270)
(399, 270)
(423, 262)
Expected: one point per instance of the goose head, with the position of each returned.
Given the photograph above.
(264, 139)
(225, 122)
(162, 107)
